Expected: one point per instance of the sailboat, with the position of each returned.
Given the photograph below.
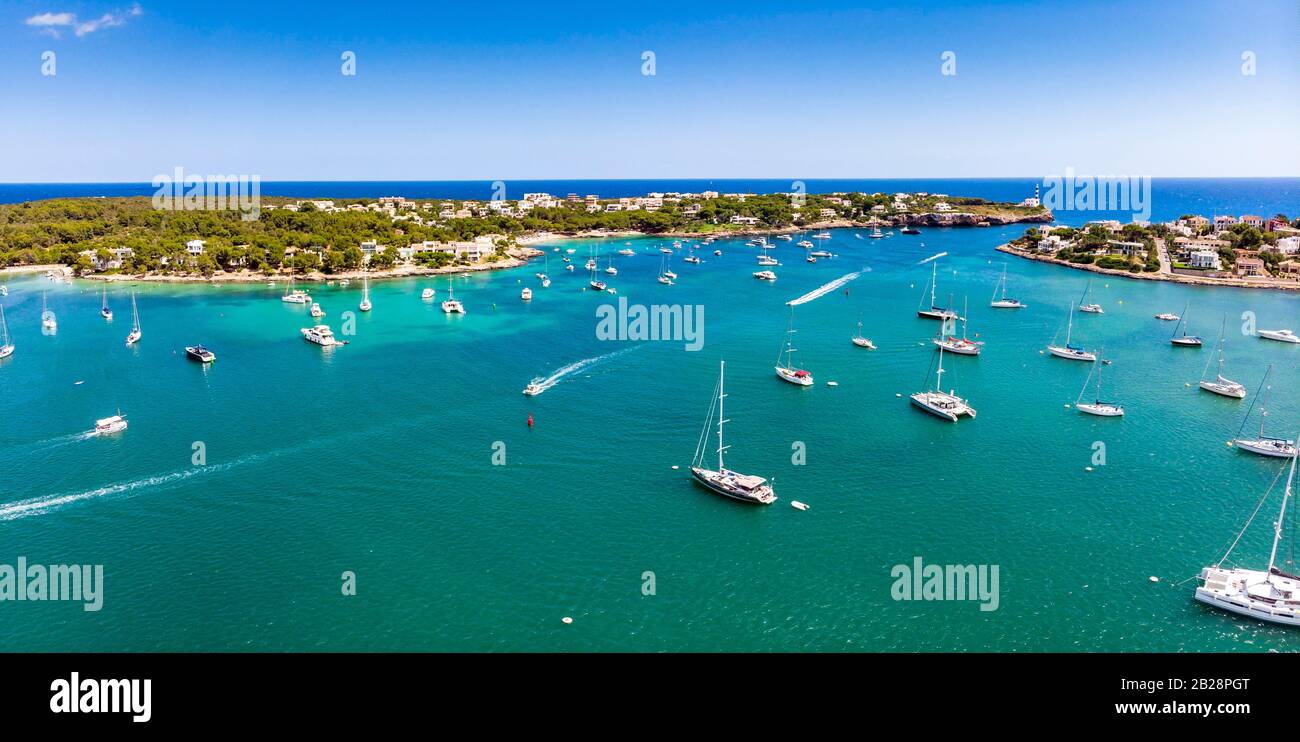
(135, 335)
(786, 369)
(939, 403)
(6, 347)
(611, 270)
(452, 305)
(48, 322)
(1068, 351)
(1097, 407)
(934, 312)
(862, 342)
(691, 257)
(1264, 445)
(1222, 385)
(1265, 595)
(737, 486)
(663, 274)
(1184, 340)
(1004, 302)
(1090, 308)
(668, 268)
(595, 284)
(365, 305)
(959, 345)
(104, 311)
(294, 296)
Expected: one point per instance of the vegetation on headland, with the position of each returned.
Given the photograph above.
(130, 236)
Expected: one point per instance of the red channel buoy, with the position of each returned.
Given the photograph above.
(530, 419)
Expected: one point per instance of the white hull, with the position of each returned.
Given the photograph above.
(864, 343)
(1281, 336)
(1186, 342)
(947, 406)
(452, 306)
(319, 335)
(1092, 309)
(6, 351)
(765, 275)
(959, 347)
(1225, 388)
(134, 337)
(365, 306)
(792, 375)
(730, 484)
(1273, 447)
(1100, 409)
(1252, 593)
(1007, 304)
(1071, 355)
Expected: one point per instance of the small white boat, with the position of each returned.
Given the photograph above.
(1071, 352)
(427, 294)
(665, 280)
(546, 283)
(1184, 340)
(532, 390)
(1282, 336)
(627, 252)
(320, 335)
(1168, 317)
(6, 347)
(821, 254)
(717, 252)
(316, 311)
(805, 244)
(110, 425)
(1002, 302)
(136, 334)
(452, 305)
(875, 234)
(365, 305)
(48, 321)
(295, 296)
(569, 267)
(104, 311)
(526, 294)
(1221, 385)
(4, 290)
(798, 505)
(862, 342)
(1091, 308)
(765, 275)
(811, 259)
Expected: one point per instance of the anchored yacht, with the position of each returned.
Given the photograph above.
(939, 403)
(723, 481)
(1068, 351)
(320, 335)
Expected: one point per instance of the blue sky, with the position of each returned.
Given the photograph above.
(509, 90)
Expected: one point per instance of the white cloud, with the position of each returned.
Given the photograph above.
(53, 23)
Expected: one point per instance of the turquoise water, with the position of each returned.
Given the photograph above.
(377, 458)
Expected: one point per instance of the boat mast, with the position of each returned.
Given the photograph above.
(1069, 327)
(4, 327)
(1099, 365)
(722, 375)
(1277, 527)
(965, 312)
(135, 314)
(934, 280)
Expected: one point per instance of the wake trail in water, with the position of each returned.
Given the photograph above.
(821, 291)
(933, 257)
(559, 374)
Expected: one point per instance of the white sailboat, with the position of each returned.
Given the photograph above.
(1068, 351)
(723, 481)
(135, 335)
(663, 272)
(959, 345)
(939, 403)
(48, 322)
(1269, 595)
(1184, 340)
(295, 296)
(611, 270)
(1090, 308)
(1221, 384)
(1003, 302)
(365, 305)
(6, 347)
(452, 305)
(104, 311)
(934, 312)
(1097, 407)
(1264, 445)
(785, 369)
(861, 341)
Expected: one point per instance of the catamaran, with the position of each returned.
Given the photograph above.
(939, 403)
(861, 341)
(785, 369)
(1068, 351)
(1264, 445)
(6, 347)
(1004, 302)
(135, 335)
(452, 305)
(1282, 336)
(48, 321)
(934, 312)
(365, 305)
(1090, 308)
(1184, 340)
(1097, 407)
(104, 311)
(1269, 595)
(295, 296)
(765, 259)
(737, 486)
(959, 345)
(1221, 384)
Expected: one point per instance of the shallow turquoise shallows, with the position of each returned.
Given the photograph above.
(384, 458)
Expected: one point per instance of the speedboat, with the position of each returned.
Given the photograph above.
(316, 311)
(1091, 308)
(717, 252)
(821, 254)
(692, 259)
(627, 252)
(765, 275)
(427, 294)
(1168, 317)
(320, 335)
(805, 244)
(532, 390)
(666, 250)
(910, 230)
(526, 294)
(110, 425)
(569, 268)
(200, 354)
(811, 259)
(1282, 336)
